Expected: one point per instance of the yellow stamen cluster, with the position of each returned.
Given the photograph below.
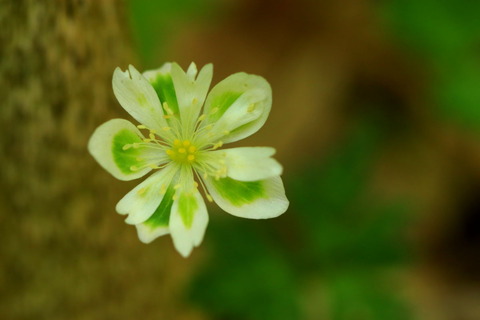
(182, 151)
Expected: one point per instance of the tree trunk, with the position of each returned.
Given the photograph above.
(64, 252)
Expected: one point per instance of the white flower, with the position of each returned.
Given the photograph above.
(180, 145)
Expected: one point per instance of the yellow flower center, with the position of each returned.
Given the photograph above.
(182, 151)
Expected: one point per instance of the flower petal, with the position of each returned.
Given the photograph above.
(107, 147)
(161, 81)
(238, 106)
(191, 92)
(188, 220)
(260, 199)
(138, 98)
(157, 224)
(250, 163)
(142, 201)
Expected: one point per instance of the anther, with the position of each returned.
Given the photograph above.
(209, 197)
(217, 145)
(251, 107)
(166, 128)
(141, 99)
(194, 101)
(182, 150)
(170, 152)
(141, 126)
(176, 142)
(191, 157)
(177, 186)
(126, 147)
(141, 191)
(202, 117)
(167, 108)
(186, 143)
(214, 110)
(163, 189)
(192, 149)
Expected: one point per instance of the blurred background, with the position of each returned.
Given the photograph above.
(376, 119)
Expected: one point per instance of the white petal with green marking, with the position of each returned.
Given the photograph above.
(238, 106)
(191, 92)
(142, 201)
(157, 224)
(138, 98)
(107, 146)
(162, 82)
(188, 221)
(260, 199)
(250, 163)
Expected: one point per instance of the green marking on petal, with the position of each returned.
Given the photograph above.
(161, 216)
(223, 102)
(163, 85)
(125, 159)
(187, 206)
(240, 193)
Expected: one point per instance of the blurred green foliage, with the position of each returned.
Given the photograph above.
(153, 24)
(447, 35)
(351, 230)
(248, 276)
(333, 231)
(362, 296)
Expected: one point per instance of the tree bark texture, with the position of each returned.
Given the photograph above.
(64, 253)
